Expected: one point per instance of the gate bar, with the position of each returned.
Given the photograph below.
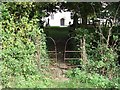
(55, 49)
(65, 51)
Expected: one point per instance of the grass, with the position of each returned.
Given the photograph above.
(0, 87)
(57, 32)
(73, 84)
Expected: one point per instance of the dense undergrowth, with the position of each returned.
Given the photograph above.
(24, 60)
(93, 80)
(97, 59)
(23, 51)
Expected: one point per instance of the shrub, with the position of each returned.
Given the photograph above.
(21, 41)
(100, 58)
(92, 79)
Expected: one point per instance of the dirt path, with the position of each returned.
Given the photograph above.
(59, 68)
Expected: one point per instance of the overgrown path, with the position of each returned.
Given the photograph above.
(60, 35)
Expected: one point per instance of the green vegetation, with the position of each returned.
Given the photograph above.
(21, 45)
(96, 58)
(24, 61)
(56, 32)
(93, 80)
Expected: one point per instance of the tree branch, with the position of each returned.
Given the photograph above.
(109, 32)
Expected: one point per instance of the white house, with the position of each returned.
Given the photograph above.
(61, 19)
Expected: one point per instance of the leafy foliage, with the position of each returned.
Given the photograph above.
(94, 80)
(24, 56)
(20, 48)
(101, 59)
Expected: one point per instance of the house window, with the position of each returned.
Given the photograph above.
(71, 15)
(62, 21)
(52, 16)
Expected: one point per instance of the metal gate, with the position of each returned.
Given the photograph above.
(55, 49)
(65, 50)
(70, 51)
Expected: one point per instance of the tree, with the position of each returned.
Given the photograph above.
(81, 9)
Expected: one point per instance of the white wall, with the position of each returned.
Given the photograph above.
(58, 16)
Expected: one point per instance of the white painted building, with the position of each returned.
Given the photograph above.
(61, 19)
